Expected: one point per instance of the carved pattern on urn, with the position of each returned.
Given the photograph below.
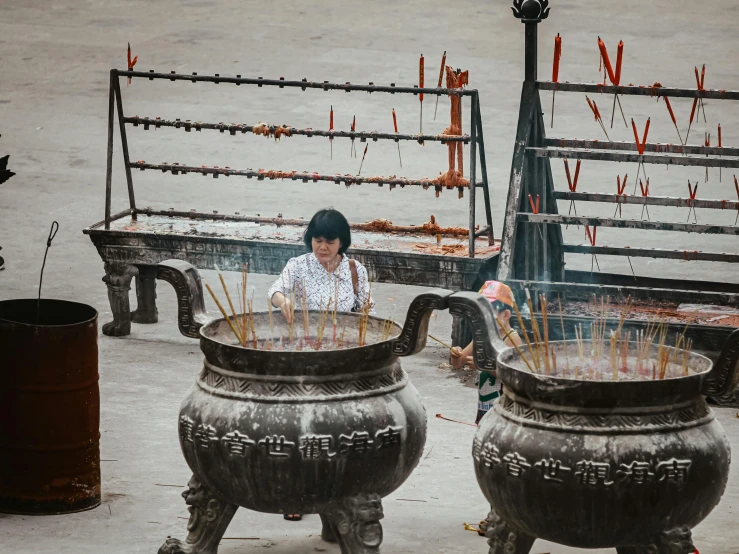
(694, 414)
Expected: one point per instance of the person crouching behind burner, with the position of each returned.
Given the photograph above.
(489, 387)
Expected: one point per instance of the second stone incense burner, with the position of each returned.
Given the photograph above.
(632, 464)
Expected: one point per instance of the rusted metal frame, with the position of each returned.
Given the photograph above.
(557, 259)
(124, 143)
(473, 168)
(177, 169)
(114, 217)
(109, 166)
(516, 197)
(304, 84)
(595, 88)
(484, 171)
(666, 159)
(687, 255)
(648, 200)
(234, 128)
(628, 224)
(648, 147)
(279, 221)
(618, 291)
(487, 230)
(537, 188)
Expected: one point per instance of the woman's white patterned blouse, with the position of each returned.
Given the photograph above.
(322, 286)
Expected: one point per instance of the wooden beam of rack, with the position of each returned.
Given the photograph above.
(627, 224)
(649, 147)
(616, 291)
(177, 169)
(687, 255)
(302, 84)
(234, 128)
(648, 200)
(595, 88)
(665, 159)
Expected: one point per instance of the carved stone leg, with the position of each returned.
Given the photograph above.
(328, 533)
(118, 278)
(461, 332)
(146, 295)
(674, 541)
(503, 539)
(356, 523)
(209, 519)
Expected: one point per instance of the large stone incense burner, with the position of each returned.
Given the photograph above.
(631, 463)
(310, 431)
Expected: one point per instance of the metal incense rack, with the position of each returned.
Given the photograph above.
(133, 241)
(533, 249)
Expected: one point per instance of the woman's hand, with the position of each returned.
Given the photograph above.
(287, 310)
(459, 359)
(281, 301)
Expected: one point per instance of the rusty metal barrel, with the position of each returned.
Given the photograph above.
(49, 407)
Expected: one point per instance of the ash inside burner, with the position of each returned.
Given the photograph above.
(593, 362)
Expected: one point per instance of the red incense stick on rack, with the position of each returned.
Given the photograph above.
(331, 128)
(131, 63)
(441, 75)
(395, 124)
(420, 85)
(555, 68)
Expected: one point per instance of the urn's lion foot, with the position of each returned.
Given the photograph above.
(355, 524)
(209, 519)
(174, 546)
(503, 539)
(673, 541)
(328, 533)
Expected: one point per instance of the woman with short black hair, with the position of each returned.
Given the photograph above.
(324, 275)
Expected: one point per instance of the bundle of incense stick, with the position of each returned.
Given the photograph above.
(239, 325)
(387, 329)
(364, 312)
(323, 316)
(625, 360)
(304, 310)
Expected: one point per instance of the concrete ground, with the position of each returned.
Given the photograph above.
(54, 59)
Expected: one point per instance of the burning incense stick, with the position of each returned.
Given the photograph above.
(507, 337)
(331, 128)
(225, 315)
(362, 162)
(244, 279)
(395, 124)
(545, 322)
(441, 342)
(228, 298)
(564, 335)
(271, 325)
(441, 75)
(525, 335)
(304, 310)
(555, 68)
(420, 85)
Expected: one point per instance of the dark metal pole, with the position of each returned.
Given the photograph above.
(531, 50)
(484, 171)
(124, 143)
(109, 169)
(473, 167)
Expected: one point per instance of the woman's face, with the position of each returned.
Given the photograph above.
(325, 250)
